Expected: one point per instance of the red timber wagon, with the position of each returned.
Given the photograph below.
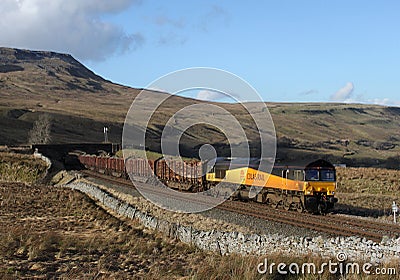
(139, 168)
(180, 175)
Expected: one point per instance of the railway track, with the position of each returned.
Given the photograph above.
(392, 230)
(333, 225)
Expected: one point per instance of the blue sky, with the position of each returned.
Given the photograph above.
(289, 51)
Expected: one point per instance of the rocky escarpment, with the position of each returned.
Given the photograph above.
(12, 60)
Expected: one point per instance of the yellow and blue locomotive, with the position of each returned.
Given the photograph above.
(309, 187)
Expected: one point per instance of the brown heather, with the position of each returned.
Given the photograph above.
(48, 232)
(369, 188)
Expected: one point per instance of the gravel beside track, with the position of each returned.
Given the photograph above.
(374, 231)
(260, 226)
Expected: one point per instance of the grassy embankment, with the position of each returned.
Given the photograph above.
(371, 188)
(21, 168)
(54, 232)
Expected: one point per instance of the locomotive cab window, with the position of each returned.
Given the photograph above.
(312, 175)
(327, 175)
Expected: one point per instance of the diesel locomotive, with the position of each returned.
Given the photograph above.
(310, 187)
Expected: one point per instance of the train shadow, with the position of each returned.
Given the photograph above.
(359, 211)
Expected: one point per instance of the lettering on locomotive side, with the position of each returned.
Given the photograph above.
(255, 176)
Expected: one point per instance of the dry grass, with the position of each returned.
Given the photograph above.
(20, 168)
(48, 232)
(369, 180)
(55, 232)
(372, 188)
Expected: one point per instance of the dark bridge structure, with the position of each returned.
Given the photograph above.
(64, 156)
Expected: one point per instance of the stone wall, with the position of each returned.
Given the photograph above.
(249, 244)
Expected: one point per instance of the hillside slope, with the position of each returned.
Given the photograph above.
(80, 103)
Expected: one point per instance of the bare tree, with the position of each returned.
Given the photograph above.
(40, 133)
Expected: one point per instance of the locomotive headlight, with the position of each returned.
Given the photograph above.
(333, 192)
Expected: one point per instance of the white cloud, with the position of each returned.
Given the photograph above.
(73, 26)
(344, 93)
(210, 95)
(384, 102)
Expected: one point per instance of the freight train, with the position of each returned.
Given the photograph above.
(302, 188)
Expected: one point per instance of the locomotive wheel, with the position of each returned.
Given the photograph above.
(287, 202)
(274, 204)
(286, 205)
(274, 200)
(321, 209)
(299, 207)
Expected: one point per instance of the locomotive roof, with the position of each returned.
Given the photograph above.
(255, 162)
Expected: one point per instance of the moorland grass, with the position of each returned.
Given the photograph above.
(21, 168)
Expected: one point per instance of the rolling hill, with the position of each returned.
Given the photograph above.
(80, 103)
